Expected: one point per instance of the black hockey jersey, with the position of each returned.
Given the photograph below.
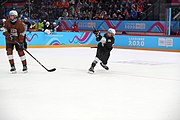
(108, 45)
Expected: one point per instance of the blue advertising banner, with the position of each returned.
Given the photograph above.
(175, 26)
(128, 26)
(88, 38)
(149, 42)
(119, 25)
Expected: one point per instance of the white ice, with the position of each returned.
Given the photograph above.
(140, 85)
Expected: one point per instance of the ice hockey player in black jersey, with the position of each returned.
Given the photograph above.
(103, 49)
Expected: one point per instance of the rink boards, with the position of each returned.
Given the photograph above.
(60, 39)
(119, 25)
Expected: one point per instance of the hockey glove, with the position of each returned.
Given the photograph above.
(96, 33)
(21, 46)
(103, 41)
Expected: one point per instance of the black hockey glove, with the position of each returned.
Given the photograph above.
(96, 32)
(21, 46)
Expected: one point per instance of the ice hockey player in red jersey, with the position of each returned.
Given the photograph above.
(104, 48)
(14, 30)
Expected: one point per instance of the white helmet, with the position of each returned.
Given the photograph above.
(13, 12)
(112, 31)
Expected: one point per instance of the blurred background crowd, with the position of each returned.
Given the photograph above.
(83, 9)
(45, 12)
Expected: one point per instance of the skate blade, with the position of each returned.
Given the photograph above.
(25, 71)
(90, 72)
(105, 67)
(13, 72)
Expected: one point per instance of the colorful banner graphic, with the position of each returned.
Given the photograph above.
(128, 26)
(119, 25)
(88, 38)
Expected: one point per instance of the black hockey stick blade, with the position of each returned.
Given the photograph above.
(52, 70)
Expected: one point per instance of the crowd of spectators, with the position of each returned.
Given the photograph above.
(46, 26)
(43, 26)
(86, 9)
(51, 10)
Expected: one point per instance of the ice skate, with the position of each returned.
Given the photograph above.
(104, 66)
(24, 69)
(91, 70)
(13, 70)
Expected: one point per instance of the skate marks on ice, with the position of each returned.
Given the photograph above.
(161, 71)
(125, 92)
(149, 64)
(130, 74)
(114, 73)
(140, 62)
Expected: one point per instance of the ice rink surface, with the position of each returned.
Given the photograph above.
(140, 85)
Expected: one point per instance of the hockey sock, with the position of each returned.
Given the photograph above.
(22, 57)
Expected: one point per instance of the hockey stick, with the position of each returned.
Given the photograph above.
(93, 25)
(94, 29)
(49, 70)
